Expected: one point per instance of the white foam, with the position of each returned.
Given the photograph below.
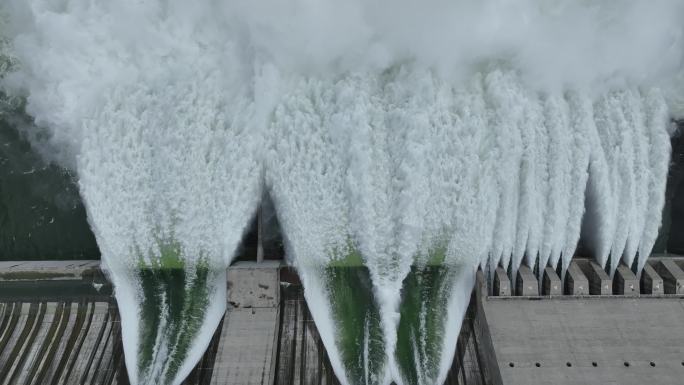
(394, 127)
(413, 161)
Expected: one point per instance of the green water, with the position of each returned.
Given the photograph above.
(173, 308)
(420, 336)
(356, 315)
(422, 326)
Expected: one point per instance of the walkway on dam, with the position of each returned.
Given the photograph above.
(618, 340)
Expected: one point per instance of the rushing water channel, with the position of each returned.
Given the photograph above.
(402, 150)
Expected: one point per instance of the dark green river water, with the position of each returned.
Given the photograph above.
(41, 213)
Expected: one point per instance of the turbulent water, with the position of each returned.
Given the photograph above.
(404, 144)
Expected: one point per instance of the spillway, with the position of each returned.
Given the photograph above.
(402, 152)
(59, 324)
(420, 188)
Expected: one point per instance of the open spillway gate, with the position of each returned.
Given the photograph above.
(59, 325)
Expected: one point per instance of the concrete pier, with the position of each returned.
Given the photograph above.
(576, 283)
(625, 282)
(551, 283)
(526, 283)
(502, 285)
(672, 275)
(651, 282)
(254, 285)
(247, 346)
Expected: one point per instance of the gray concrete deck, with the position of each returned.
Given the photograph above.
(248, 340)
(599, 340)
(245, 353)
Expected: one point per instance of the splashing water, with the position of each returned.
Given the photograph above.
(430, 180)
(166, 163)
(404, 144)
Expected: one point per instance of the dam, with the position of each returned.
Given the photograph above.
(60, 323)
(623, 330)
(354, 193)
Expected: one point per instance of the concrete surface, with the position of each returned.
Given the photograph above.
(48, 270)
(502, 285)
(672, 274)
(252, 284)
(651, 282)
(247, 347)
(599, 281)
(576, 283)
(551, 284)
(625, 282)
(59, 343)
(590, 340)
(268, 337)
(246, 354)
(526, 283)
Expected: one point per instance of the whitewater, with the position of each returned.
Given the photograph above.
(405, 144)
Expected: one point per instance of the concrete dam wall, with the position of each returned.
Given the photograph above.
(523, 332)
